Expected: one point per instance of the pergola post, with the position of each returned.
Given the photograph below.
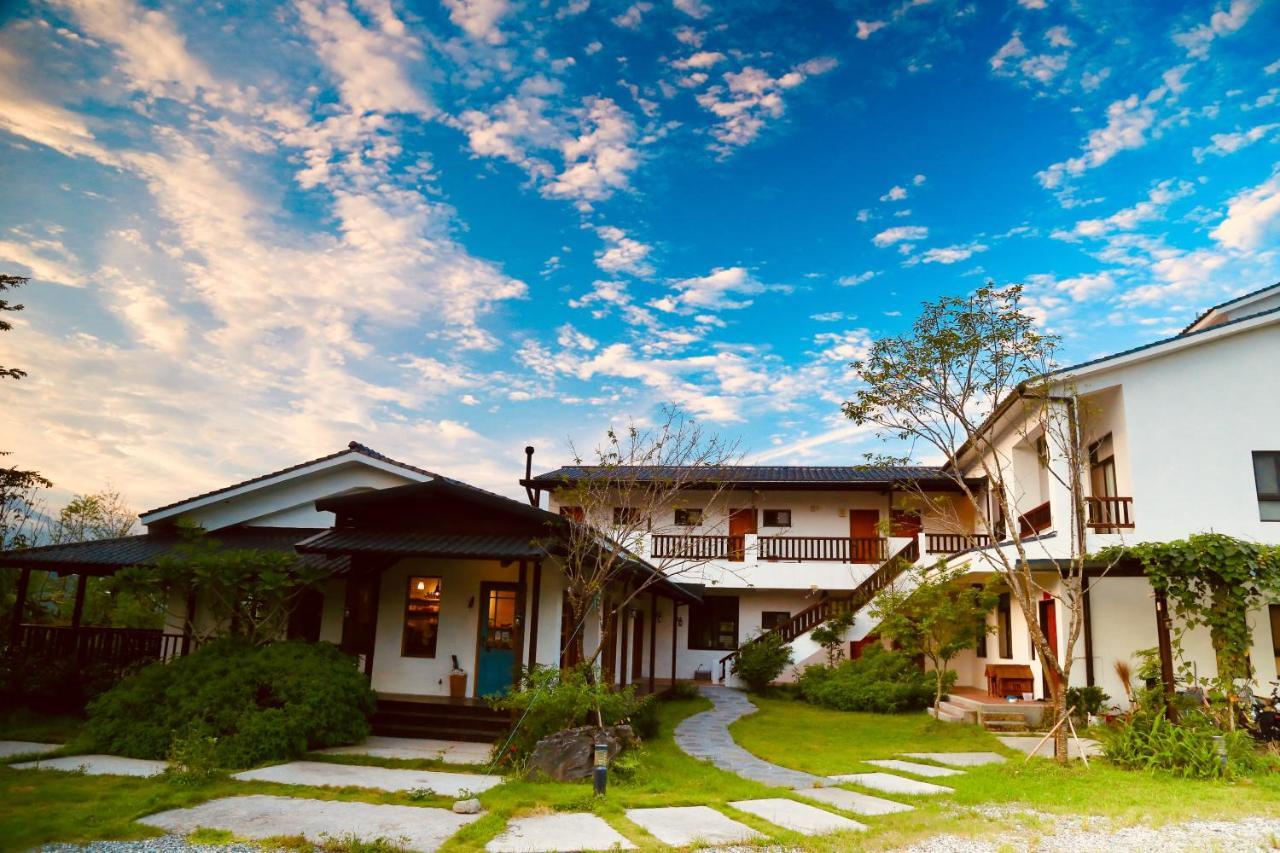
(77, 608)
(189, 624)
(675, 610)
(653, 638)
(534, 605)
(623, 662)
(19, 606)
(1088, 634)
(1166, 654)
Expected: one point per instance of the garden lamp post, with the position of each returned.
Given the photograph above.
(600, 775)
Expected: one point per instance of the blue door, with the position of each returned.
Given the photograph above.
(499, 633)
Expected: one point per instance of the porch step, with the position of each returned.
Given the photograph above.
(439, 720)
(1006, 726)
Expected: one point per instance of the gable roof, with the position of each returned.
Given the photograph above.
(353, 448)
(784, 477)
(1207, 317)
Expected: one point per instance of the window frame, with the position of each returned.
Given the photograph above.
(766, 514)
(620, 520)
(686, 511)
(405, 617)
(1266, 497)
(698, 613)
(780, 617)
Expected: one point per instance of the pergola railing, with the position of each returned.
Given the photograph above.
(1109, 514)
(115, 647)
(954, 543)
(832, 549)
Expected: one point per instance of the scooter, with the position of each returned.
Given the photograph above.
(1266, 715)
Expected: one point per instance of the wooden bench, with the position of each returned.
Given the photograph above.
(1009, 679)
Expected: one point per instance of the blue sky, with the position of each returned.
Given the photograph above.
(258, 231)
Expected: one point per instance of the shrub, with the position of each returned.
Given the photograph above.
(683, 690)
(53, 684)
(261, 703)
(550, 700)
(882, 681)
(1150, 742)
(759, 662)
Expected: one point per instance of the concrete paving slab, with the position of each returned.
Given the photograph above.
(558, 833)
(261, 816)
(1026, 744)
(412, 748)
(25, 747)
(958, 759)
(891, 784)
(681, 826)
(927, 770)
(805, 819)
(381, 778)
(97, 765)
(852, 801)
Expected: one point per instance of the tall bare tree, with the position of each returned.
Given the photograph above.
(624, 492)
(970, 369)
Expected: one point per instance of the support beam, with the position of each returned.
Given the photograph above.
(189, 626)
(77, 608)
(624, 668)
(19, 607)
(1088, 634)
(675, 619)
(1165, 645)
(521, 599)
(534, 607)
(653, 639)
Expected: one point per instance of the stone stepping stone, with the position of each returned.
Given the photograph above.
(558, 833)
(360, 776)
(958, 759)
(798, 817)
(97, 765)
(681, 826)
(261, 816)
(412, 748)
(25, 747)
(891, 784)
(852, 801)
(928, 770)
(1045, 750)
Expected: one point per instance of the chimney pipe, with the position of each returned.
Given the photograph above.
(528, 475)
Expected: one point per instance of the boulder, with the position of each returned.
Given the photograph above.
(471, 806)
(569, 755)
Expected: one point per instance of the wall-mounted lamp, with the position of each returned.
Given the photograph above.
(471, 602)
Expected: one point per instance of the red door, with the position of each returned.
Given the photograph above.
(864, 535)
(741, 522)
(1049, 627)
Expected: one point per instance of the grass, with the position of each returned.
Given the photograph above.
(25, 724)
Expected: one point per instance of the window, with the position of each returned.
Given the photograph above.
(1004, 626)
(1266, 476)
(688, 517)
(714, 625)
(421, 618)
(573, 513)
(777, 518)
(770, 619)
(627, 516)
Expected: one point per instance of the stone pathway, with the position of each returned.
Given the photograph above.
(797, 817)
(1045, 750)
(426, 749)
(362, 776)
(706, 736)
(260, 816)
(10, 748)
(852, 801)
(959, 759)
(558, 832)
(929, 771)
(891, 784)
(682, 826)
(97, 765)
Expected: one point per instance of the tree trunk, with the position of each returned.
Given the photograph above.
(1059, 716)
(1232, 664)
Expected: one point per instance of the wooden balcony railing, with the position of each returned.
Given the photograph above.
(954, 543)
(113, 647)
(698, 547)
(1107, 515)
(1035, 520)
(833, 549)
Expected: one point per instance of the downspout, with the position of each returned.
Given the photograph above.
(529, 491)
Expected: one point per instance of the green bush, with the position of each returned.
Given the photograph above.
(882, 681)
(550, 700)
(260, 703)
(759, 662)
(1150, 742)
(1087, 700)
(53, 684)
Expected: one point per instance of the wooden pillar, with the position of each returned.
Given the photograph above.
(653, 639)
(534, 606)
(624, 668)
(1088, 634)
(189, 626)
(675, 628)
(1166, 654)
(77, 608)
(19, 607)
(518, 656)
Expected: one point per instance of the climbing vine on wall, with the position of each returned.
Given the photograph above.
(1213, 580)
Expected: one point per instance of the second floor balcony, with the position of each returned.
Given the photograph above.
(871, 550)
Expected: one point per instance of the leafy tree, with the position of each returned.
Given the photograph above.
(101, 515)
(830, 635)
(762, 660)
(938, 617)
(246, 594)
(10, 282)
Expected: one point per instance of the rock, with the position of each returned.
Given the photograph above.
(569, 755)
(471, 806)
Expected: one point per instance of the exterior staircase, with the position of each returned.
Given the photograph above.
(830, 606)
(428, 717)
(994, 716)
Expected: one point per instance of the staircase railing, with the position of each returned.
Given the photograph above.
(830, 606)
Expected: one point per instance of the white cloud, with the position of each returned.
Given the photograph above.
(479, 18)
(1033, 4)
(1058, 37)
(1012, 49)
(855, 280)
(952, 254)
(1158, 199)
(630, 19)
(918, 180)
(600, 159)
(895, 193)
(1127, 124)
(900, 234)
(1273, 68)
(622, 253)
(693, 8)
(750, 98)
(866, 28)
(701, 59)
(1222, 22)
(1252, 217)
(716, 291)
(42, 260)
(1222, 144)
(828, 317)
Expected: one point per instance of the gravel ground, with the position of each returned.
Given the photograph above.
(163, 844)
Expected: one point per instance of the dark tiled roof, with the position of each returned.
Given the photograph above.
(1232, 301)
(106, 555)
(789, 474)
(409, 544)
(352, 448)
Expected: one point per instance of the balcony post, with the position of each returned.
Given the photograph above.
(19, 606)
(77, 608)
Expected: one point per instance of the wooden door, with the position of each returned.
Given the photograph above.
(905, 523)
(360, 617)
(1049, 627)
(498, 637)
(741, 523)
(864, 535)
